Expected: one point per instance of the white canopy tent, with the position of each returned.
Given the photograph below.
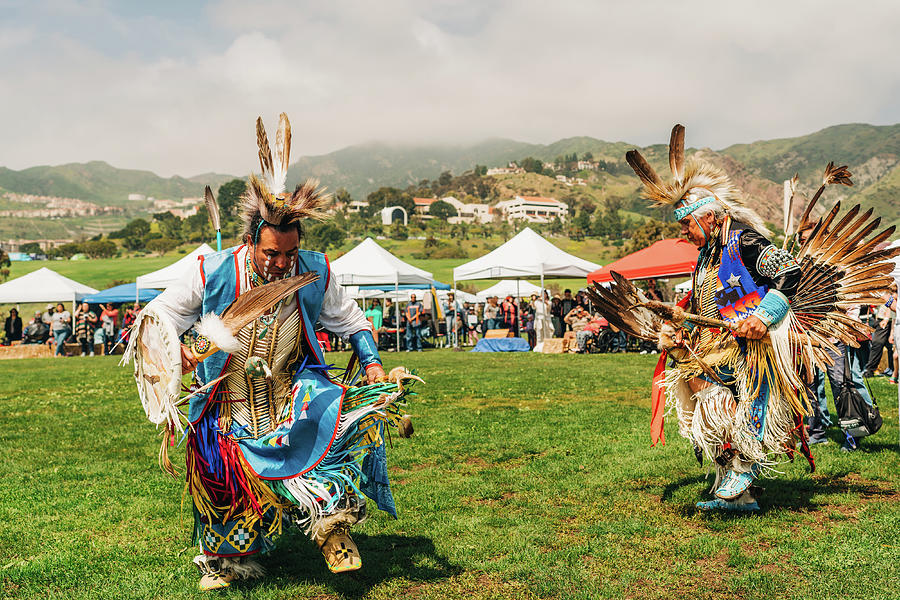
(370, 264)
(43, 285)
(684, 286)
(177, 271)
(509, 287)
(525, 256)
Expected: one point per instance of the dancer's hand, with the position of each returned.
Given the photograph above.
(375, 374)
(188, 360)
(751, 328)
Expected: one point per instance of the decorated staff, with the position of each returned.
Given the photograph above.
(758, 319)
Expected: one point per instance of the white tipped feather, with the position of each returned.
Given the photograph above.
(214, 329)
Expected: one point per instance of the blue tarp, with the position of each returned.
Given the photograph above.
(121, 293)
(413, 286)
(514, 344)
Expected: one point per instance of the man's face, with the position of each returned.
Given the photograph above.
(568, 295)
(412, 297)
(275, 253)
(694, 232)
(451, 297)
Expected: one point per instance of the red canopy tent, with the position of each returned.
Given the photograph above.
(666, 258)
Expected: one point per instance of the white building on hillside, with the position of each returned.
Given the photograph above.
(533, 209)
(468, 213)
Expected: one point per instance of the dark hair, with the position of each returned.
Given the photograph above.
(567, 291)
(258, 223)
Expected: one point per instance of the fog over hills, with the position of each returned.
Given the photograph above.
(872, 152)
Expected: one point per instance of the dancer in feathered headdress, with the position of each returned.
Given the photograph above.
(272, 437)
(758, 317)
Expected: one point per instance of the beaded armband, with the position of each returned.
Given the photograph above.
(773, 307)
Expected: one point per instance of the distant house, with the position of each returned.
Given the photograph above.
(423, 204)
(533, 209)
(510, 169)
(356, 206)
(587, 165)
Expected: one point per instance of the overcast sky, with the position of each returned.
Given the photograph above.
(175, 86)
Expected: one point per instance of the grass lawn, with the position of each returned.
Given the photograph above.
(528, 476)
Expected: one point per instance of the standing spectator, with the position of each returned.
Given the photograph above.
(109, 318)
(61, 326)
(491, 315)
(414, 317)
(85, 323)
(12, 327)
(565, 307)
(527, 311)
(509, 315)
(556, 317)
(880, 337)
(48, 315)
(543, 324)
(454, 316)
(375, 315)
(653, 293)
(128, 320)
(471, 323)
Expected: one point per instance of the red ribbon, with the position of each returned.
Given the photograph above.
(658, 394)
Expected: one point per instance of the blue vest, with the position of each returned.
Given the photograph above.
(220, 275)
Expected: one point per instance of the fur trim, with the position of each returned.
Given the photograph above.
(214, 329)
(241, 567)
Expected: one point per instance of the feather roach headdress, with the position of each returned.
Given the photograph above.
(266, 202)
(695, 183)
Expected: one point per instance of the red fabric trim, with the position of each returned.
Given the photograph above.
(658, 394)
(202, 272)
(236, 554)
(327, 264)
(237, 275)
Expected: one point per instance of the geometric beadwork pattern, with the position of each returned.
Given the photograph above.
(774, 261)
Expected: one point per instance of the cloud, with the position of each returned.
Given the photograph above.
(178, 92)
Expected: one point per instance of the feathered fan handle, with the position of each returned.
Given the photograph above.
(212, 207)
(265, 153)
(257, 301)
(642, 168)
(283, 143)
(220, 331)
(833, 176)
(676, 153)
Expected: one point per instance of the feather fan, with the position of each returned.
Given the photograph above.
(212, 207)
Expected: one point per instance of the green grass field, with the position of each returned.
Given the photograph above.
(529, 476)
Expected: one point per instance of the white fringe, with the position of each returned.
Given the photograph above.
(240, 567)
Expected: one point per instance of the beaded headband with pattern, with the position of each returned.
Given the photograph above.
(265, 202)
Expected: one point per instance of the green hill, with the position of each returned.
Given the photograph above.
(101, 183)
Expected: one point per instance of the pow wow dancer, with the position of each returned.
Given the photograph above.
(758, 320)
(272, 438)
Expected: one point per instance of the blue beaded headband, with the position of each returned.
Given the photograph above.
(687, 209)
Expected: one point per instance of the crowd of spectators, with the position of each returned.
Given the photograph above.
(92, 328)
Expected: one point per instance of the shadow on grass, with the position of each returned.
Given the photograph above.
(385, 557)
(796, 495)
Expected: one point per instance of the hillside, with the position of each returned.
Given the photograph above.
(101, 183)
(758, 168)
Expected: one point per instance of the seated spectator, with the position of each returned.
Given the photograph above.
(36, 332)
(592, 329)
(577, 319)
(12, 327)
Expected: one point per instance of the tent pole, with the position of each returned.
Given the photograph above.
(397, 307)
(455, 340)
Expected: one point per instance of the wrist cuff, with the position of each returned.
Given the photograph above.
(364, 345)
(773, 307)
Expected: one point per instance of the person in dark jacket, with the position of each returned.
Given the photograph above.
(13, 327)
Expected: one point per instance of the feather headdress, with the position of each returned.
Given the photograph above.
(265, 201)
(694, 183)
